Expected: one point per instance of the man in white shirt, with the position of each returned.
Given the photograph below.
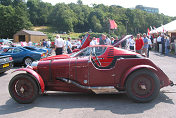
(93, 42)
(59, 44)
(158, 42)
(78, 43)
(30, 43)
(48, 43)
(131, 43)
(108, 41)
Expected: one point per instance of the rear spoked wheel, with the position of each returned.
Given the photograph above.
(142, 86)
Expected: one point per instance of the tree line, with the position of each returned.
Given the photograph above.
(74, 17)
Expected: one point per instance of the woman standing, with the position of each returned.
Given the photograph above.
(167, 45)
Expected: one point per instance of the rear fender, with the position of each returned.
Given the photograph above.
(135, 68)
(37, 77)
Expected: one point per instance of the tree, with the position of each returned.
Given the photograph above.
(80, 2)
(63, 18)
(13, 20)
(6, 2)
(39, 12)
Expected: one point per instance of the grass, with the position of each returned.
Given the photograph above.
(45, 29)
(51, 31)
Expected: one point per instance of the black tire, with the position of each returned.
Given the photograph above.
(27, 59)
(23, 88)
(142, 86)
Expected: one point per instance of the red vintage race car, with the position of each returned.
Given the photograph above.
(92, 69)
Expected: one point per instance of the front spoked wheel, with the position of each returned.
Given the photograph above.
(23, 89)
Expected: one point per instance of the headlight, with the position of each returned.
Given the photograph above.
(34, 65)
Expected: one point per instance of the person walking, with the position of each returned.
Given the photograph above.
(30, 43)
(69, 45)
(154, 44)
(149, 46)
(112, 40)
(139, 44)
(163, 43)
(104, 40)
(158, 42)
(48, 43)
(59, 44)
(94, 41)
(145, 48)
(131, 43)
(44, 43)
(167, 45)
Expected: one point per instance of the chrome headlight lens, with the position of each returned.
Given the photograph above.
(34, 65)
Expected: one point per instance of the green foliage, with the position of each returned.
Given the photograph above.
(13, 19)
(80, 2)
(63, 17)
(39, 12)
(50, 36)
(74, 17)
(6, 2)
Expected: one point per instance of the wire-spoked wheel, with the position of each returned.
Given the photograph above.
(142, 86)
(28, 61)
(23, 88)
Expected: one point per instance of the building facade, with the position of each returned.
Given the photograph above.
(147, 9)
(28, 35)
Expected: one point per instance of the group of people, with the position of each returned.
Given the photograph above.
(103, 40)
(45, 43)
(161, 43)
(61, 45)
(141, 44)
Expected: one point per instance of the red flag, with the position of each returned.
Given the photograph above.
(148, 31)
(113, 24)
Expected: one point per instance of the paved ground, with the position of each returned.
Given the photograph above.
(69, 105)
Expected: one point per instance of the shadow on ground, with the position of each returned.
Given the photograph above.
(164, 55)
(116, 103)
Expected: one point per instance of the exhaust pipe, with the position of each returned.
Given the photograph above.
(100, 89)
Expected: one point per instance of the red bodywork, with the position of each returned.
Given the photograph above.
(82, 68)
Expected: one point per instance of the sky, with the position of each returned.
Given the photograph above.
(167, 7)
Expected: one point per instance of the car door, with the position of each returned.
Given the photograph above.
(100, 75)
(17, 55)
(79, 70)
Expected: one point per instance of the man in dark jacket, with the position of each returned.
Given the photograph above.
(163, 44)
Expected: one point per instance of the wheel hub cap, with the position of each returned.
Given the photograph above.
(143, 87)
(22, 90)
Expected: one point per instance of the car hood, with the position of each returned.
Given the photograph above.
(86, 41)
(63, 56)
(123, 39)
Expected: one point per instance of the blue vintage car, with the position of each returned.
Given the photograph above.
(37, 49)
(21, 55)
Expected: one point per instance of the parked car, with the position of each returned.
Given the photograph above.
(21, 55)
(6, 63)
(47, 51)
(92, 69)
(6, 42)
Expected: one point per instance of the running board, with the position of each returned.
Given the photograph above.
(100, 89)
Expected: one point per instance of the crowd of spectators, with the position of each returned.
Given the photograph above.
(140, 44)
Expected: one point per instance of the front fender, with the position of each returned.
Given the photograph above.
(37, 77)
(134, 69)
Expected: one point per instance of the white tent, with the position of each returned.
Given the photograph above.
(170, 27)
